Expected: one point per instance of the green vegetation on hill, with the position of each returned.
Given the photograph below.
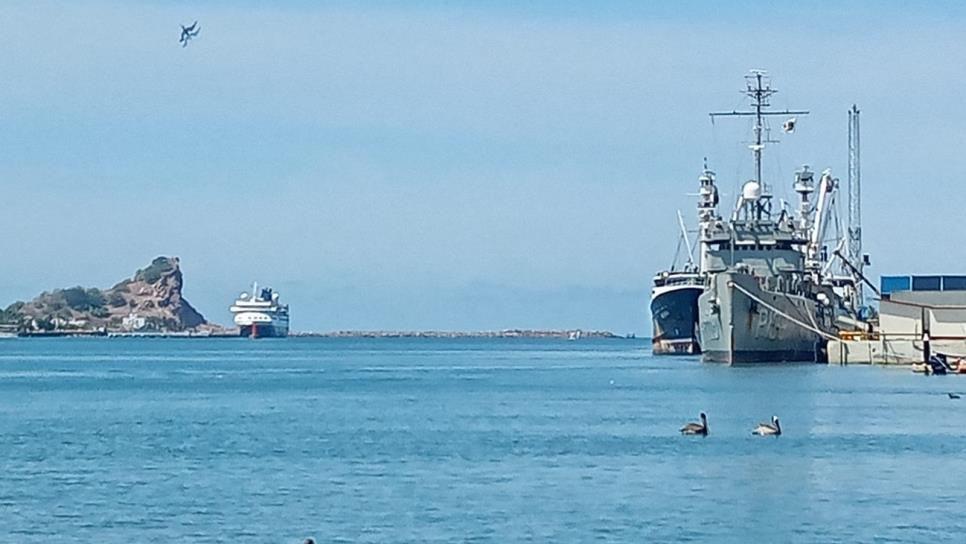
(11, 314)
(150, 301)
(158, 268)
(82, 300)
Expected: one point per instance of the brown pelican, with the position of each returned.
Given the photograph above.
(768, 429)
(697, 428)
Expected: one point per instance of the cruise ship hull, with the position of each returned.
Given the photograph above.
(262, 331)
(674, 315)
(736, 329)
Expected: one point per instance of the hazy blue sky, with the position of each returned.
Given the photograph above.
(445, 164)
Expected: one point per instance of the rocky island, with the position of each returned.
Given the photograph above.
(150, 301)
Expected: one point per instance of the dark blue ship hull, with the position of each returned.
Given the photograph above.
(674, 314)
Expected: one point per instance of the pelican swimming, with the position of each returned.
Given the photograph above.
(697, 428)
(768, 429)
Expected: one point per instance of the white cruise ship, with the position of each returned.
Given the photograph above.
(258, 314)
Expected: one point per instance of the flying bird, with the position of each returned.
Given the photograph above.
(188, 32)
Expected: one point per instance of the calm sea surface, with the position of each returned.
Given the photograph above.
(108, 440)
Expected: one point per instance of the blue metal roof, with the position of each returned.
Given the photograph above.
(892, 284)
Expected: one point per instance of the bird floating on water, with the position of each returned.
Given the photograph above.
(768, 429)
(697, 428)
(953, 395)
(188, 32)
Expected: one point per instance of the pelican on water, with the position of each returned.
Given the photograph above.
(697, 428)
(768, 429)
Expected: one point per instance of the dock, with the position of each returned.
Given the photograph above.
(918, 316)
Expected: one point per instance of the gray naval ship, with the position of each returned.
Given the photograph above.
(770, 294)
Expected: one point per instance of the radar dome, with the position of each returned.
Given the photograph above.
(751, 190)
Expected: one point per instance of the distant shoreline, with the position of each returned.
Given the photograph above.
(506, 333)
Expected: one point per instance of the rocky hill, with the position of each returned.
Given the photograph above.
(149, 301)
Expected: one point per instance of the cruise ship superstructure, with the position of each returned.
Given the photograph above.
(260, 315)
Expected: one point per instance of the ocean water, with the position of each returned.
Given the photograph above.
(155, 440)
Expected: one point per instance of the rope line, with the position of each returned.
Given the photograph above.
(798, 322)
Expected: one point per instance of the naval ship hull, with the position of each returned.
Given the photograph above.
(674, 315)
(735, 329)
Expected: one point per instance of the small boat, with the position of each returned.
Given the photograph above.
(936, 366)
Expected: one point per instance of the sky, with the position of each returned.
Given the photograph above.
(451, 165)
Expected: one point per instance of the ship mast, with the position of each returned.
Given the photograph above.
(758, 89)
(707, 215)
(855, 257)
